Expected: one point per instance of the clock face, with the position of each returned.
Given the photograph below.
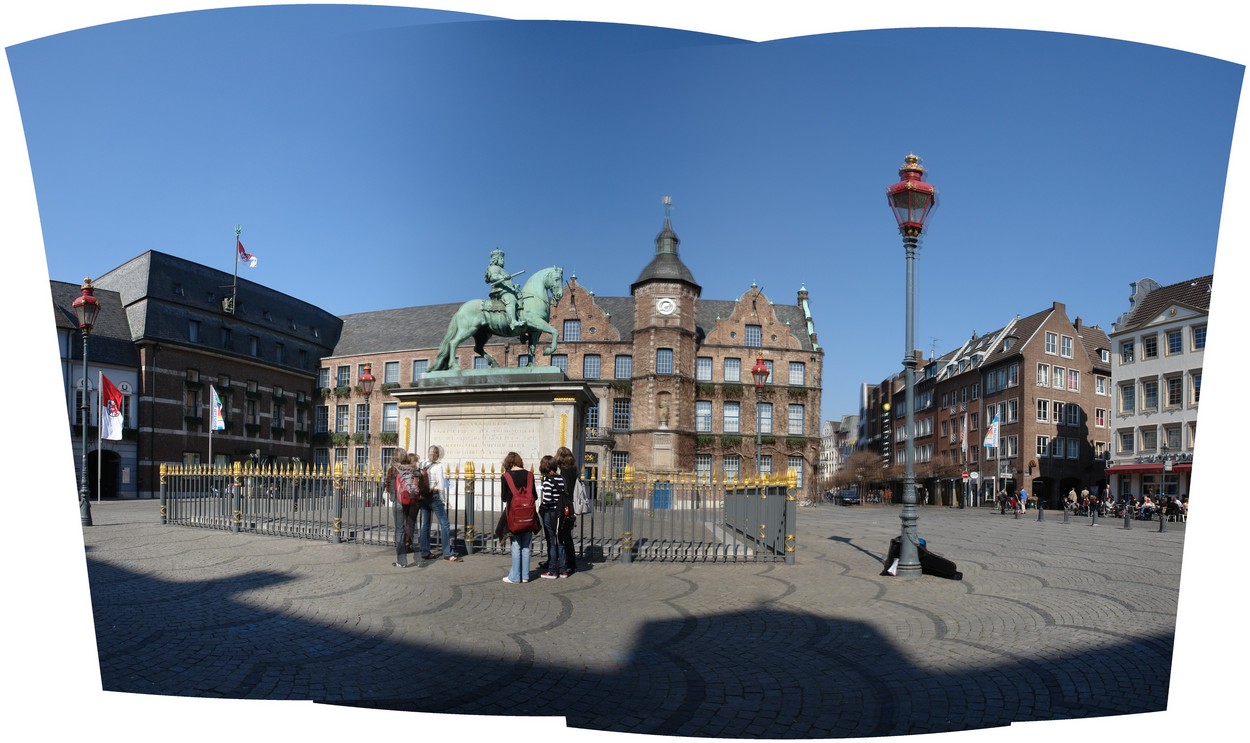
(665, 305)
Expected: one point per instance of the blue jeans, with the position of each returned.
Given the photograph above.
(556, 558)
(520, 556)
(405, 521)
(435, 505)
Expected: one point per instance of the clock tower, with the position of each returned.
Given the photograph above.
(665, 341)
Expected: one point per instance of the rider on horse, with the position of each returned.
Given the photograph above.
(502, 288)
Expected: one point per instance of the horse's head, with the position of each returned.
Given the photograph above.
(555, 282)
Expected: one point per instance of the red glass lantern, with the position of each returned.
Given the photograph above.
(911, 198)
(366, 381)
(759, 373)
(86, 307)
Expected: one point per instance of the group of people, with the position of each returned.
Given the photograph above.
(553, 495)
(406, 465)
(1017, 502)
(555, 510)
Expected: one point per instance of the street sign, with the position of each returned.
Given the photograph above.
(975, 475)
(965, 477)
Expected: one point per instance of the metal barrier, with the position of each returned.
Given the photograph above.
(645, 518)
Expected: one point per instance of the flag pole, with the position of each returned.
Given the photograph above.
(234, 291)
(99, 435)
(212, 421)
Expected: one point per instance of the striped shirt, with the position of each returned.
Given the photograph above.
(553, 489)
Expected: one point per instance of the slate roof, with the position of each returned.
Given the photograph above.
(1193, 293)
(110, 339)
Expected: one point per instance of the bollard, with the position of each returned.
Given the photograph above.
(1066, 513)
(1128, 516)
(1162, 528)
(1040, 511)
(1093, 517)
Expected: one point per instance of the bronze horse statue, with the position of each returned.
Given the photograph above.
(479, 320)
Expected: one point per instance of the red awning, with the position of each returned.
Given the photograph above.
(1147, 467)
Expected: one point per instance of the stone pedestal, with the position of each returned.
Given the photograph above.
(479, 415)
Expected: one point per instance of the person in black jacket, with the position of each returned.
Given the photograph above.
(566, 463)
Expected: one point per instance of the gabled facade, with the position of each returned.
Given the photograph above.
(1157, 350)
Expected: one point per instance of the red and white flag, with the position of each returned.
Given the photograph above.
(245, 256)
(110, 410)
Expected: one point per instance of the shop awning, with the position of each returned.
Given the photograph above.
(1148, 468)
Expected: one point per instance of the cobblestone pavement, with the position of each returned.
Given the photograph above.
(1051, 621)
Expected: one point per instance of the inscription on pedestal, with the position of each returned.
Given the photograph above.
(486, 441)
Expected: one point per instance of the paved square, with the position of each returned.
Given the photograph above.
(1050, 621)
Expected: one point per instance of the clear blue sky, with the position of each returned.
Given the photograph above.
(357, 145)
(349, 148)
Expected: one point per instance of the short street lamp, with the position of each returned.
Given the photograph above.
(759, 373)
(87, 308)
(912, 200)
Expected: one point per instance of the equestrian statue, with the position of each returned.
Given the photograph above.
(510, 312)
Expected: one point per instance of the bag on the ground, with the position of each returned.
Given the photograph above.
(406, 487)
(522, 510)
(581, 500)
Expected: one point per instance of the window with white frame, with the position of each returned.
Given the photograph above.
(323, 377)
(703, 369)
(560, 361)
(1013, 374)
(620, 460)
(1059, 377)
(1011, 446)
(480, 362)
(624, 367)
(795, 418)
(1126, 442)
(323, 419)
(1128, 397)
(729, 465)
(1195, 388)
(764, 417)
(798, 373)
(768, 364)
(592, 420)
(664, 361)
(1172, 435)
(1176, 342)
(1150, 394)
(733, 370)
(1065, 346)
(1052, 343)
(572, 330)
(1175, 391)
(362, 417)
(419, 367)
(1200, 337)
(795, 465)
(1150, 346)
(342, 416)
(523, 360)
(1100, 417)
(1043, 375)
(730, 414)
(1056, 447)
(1126, 352)
(1102, 385)
(1043, 411)
(362, 458)
(340, 455)
(343, 376)
(390, 372)
(1043, 446)
(703, 416)
(621, 413)
(1013, 411)
(390, 417)
(321, 456)
(590, 366)
(1057, 410)
(766, 464)
(1149, 439)
(1074, 380)
(703, 468)
(754, 337)
(1072, 414)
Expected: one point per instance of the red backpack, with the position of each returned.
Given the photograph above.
(406, 487)
(522, 509)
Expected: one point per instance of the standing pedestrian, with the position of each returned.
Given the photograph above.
(551, 510)
(403, 465)
(567, 465)
(435, 507)
(516, 479)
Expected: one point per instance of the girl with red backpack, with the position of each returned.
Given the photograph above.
(516, 489)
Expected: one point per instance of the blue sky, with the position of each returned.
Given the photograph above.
(351, 149)
(356, 144)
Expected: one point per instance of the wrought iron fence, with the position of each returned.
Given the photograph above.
(675, 519)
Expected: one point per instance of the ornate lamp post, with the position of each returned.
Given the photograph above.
(87, 308)
(912, 200)
(759, 373)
